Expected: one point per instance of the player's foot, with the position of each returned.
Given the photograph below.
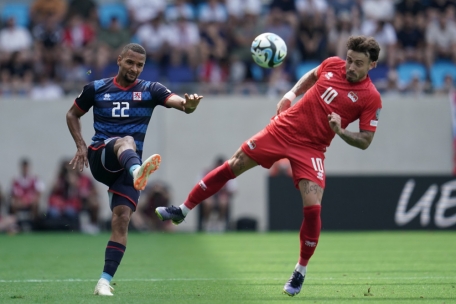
(103, 288)
(170, 213)
(141, 174)
(294, 284)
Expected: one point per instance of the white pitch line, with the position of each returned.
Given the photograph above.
(223, 279)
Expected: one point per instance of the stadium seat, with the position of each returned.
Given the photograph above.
(439, 71)
(110, 70)
(305, 67)
(408, 70)
(20, 12)
(180, 74)
(108, 10)
(151, 72)
(379, 73)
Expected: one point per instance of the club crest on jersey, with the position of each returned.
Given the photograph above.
(329, 75)
(136, 95)
(352, 95)
(251, 143)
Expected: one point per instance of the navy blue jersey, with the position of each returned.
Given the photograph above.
(118, 111)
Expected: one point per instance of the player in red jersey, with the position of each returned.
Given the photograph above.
(337, 92)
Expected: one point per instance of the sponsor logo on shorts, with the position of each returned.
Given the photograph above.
(374, 123)
(310, 244)
(251, 143)
(202, 185)
(329, 75)
(320, 175)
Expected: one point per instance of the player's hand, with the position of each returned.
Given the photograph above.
(80, 159)
(191, 102)
(335, 122)
(283, 105)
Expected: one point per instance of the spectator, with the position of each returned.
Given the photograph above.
(239, 9)
(26, 193)
(180, 9)
(214, 213)
(156, 48)
(311, 7)
(385, 34)
(77, 34)
(157, 194)
(143, 11)
(440, 40)
(311, 40)
(72, 73)
(184, 40)
(42, 10)
(48, 37)
(46, 89)
(72, 192)
(87, 9)
(345, 27)
(8, 223)
(19, 73)
(213, 11)
(378, 9)
(410, 39)
(110, 41)
(14, 38)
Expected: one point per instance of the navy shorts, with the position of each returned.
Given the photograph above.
(106, 169)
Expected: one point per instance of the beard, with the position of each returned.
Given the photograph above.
(128, 79)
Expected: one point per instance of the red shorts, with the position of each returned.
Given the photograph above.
(306, 163)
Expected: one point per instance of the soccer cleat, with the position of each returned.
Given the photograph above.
(103, 288)
(170, 213)
(141, 174)
(294, 284)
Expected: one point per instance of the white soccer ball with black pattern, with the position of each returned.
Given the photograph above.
(268, 50)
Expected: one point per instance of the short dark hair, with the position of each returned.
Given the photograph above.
(137, 48)
(366, 45)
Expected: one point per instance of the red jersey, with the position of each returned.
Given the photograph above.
(306, 122)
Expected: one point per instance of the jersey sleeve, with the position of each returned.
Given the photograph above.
(369, 116)
(86, 98)
(325, 64)
(160, 93)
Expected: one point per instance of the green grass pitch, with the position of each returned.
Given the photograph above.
(348, 267)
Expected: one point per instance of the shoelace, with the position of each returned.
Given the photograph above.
(296, 279)
(175, 210)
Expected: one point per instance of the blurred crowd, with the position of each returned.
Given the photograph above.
(70, 203)
(62, 44)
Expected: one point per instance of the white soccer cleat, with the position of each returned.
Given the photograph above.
(141, 174)
(103, 288)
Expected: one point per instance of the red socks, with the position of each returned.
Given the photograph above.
(309, 233)
(209, 185)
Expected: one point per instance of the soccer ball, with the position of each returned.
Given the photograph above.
(268, 50)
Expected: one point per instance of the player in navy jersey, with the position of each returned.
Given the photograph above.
(122, 108)
(336, 93)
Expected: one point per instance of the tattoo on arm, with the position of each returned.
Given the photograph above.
(305, 83)
(360, 140)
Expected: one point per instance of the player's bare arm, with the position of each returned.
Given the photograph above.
(360, 139)
(303, 84)
(187, 105)
(74, 125)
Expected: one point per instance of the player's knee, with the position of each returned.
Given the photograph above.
(130, 141)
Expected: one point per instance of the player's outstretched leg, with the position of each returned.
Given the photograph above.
(103, 288)
(170, 213)
(294, 284)
(141, 174)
